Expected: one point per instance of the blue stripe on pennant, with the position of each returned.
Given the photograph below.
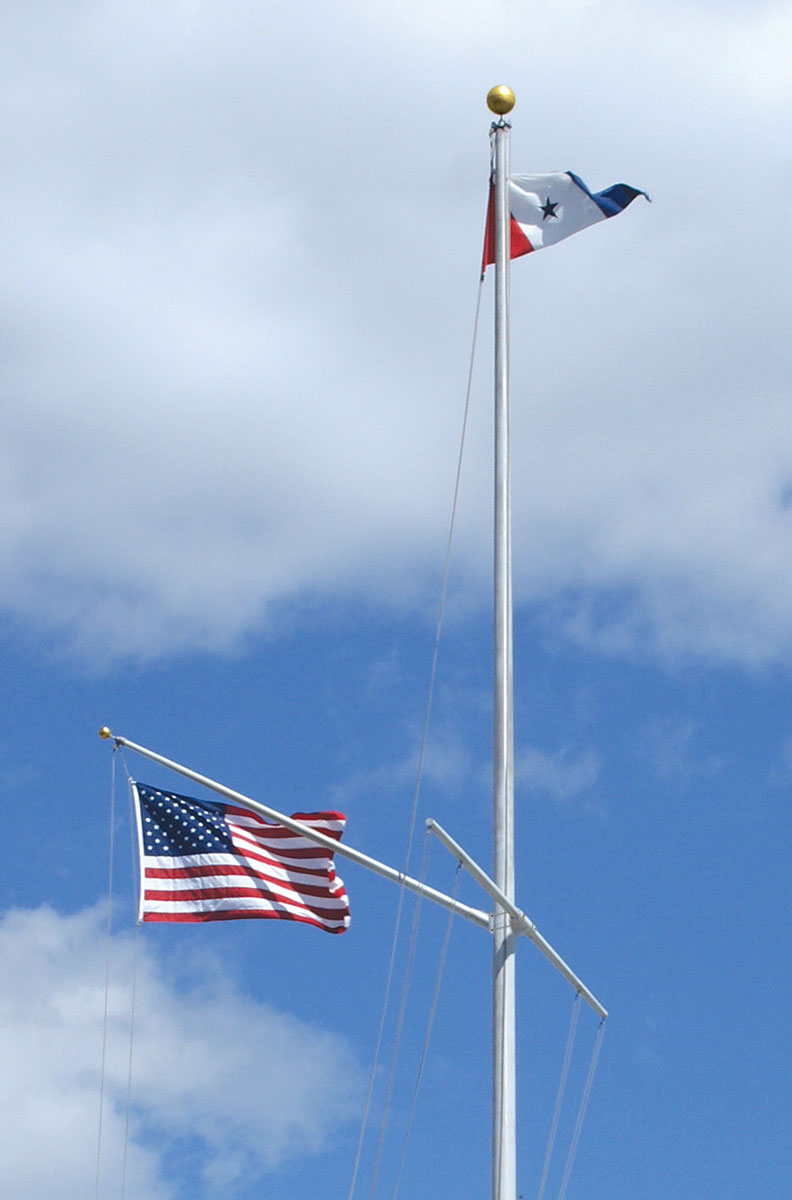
(612, 200)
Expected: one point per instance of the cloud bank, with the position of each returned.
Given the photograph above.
(239, 277)
(199, 1050)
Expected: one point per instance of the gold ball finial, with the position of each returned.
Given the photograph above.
(500, 99)
(105, 733)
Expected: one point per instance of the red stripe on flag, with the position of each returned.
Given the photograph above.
(248, 837)
(269, 886)
(286, 896)
(231, 914)
(198, 871)
(331, 824)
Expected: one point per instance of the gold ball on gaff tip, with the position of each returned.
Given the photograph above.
(500, 99)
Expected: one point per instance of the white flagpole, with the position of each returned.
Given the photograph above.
(500, 101)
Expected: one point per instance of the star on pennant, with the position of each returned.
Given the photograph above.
(549, 209)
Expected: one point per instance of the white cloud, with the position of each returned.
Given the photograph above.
(189, 1059)
(671, 746)
(560, 774)
(238, 284)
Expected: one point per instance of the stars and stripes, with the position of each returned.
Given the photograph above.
(545, 209)
(206, 861)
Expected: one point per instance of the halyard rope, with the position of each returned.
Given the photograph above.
(132, 1008)
(408, 970)
(422, 752)
(107, 974)
(428, 1034)
(105, 1023)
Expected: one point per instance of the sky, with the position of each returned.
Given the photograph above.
(241, 248)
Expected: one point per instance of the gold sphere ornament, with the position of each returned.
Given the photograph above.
(500, 100)
(104, 732)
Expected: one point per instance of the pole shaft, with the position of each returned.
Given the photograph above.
(504, 1156)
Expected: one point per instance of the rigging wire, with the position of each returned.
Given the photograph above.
(422, 751)
(573, 1022)
(108, 934)
(582, 1111)
(136, 880)
(408, 970)
(375, 1058)
(127, 1114)
(132, 1014)
(428, 1034)
(500, 1081)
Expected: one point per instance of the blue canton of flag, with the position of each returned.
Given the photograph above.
(206, 861)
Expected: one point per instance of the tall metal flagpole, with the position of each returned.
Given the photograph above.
(508, 921)
(500, 101)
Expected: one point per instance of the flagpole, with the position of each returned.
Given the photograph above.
(500, 101)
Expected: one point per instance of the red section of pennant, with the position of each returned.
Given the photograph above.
(519, 242)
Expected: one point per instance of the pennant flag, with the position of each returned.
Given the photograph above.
(204, 861)
(548, 208)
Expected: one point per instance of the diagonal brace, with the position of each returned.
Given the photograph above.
(520, 922)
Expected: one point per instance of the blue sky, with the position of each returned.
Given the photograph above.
(240, 267)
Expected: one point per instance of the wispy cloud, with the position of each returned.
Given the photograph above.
(447, 765)
(671, 745)
(562, 774)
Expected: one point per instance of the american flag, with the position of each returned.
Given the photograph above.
(205, 861)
